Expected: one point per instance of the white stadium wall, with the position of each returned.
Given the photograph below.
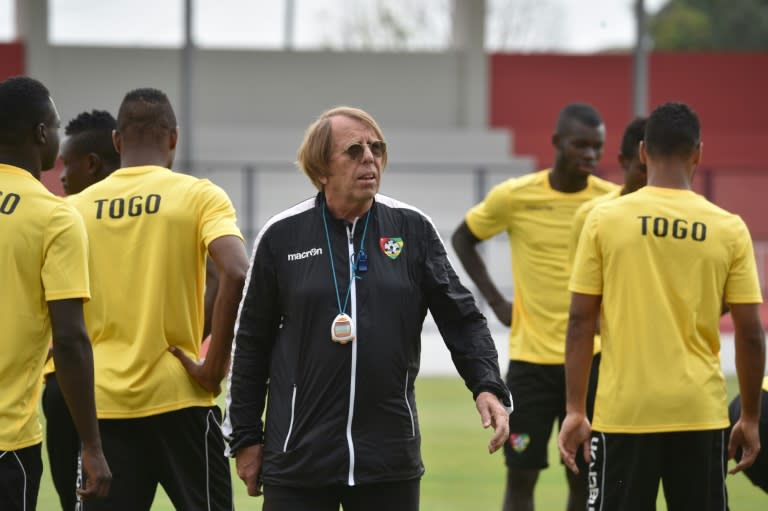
(249, 110)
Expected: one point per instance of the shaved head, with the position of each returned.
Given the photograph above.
(581, 112)
(146, 116)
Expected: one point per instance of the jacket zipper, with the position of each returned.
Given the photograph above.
(353, 371)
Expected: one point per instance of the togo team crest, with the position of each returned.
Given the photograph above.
(391, 246)
(519, 441)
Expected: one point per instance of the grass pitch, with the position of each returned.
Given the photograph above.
(460, 474)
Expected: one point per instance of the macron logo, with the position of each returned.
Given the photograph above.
(303, 255)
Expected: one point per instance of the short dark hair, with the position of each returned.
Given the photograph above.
(582, 112)
(96, 126)
(95, 120)
(146, 114)
(633, 135)
(24, 103)
(672, 130)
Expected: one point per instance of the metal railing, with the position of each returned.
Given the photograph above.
(443, 190)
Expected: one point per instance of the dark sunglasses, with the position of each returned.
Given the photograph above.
(356, 150)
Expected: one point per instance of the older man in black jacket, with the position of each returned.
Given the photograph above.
(330, 329)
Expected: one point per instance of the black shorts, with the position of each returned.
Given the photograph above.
(758, 472)
(626, 469)
(182, 450)
(20, 473)
(399, 495)
(539, 394)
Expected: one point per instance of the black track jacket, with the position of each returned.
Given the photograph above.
(346, 414)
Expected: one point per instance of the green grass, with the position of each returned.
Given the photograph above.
(460, 474)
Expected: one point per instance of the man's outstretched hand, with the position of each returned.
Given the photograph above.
(493, 414)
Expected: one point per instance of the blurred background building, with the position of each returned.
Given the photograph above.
(466, 91)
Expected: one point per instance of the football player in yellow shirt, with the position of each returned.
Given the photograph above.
(150, 232)
(656, 266)
(536, 211)
(88, 156)
(634, 178)
(44, 275)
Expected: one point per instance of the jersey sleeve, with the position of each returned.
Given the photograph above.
(587, 274)
(217, 215)
(743, 285)
(489, 217)
(65, 261)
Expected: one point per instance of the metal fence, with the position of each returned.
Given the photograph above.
(444, 191)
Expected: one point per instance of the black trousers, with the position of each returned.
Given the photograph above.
(399, 495)
(182, 450)
(20, 473)
(626, 469)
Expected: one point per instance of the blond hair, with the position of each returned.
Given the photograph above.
(314, 154)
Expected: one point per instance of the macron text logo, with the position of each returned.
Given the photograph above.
(303, 255)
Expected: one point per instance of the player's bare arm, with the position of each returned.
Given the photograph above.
(74, 368)
(749, 341)
(211, 290)
(465, 244)
(579, 345)
(228, 255)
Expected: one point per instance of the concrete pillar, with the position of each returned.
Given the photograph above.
(640, 72)
(32, 30)
(472, 68)
(185, 112)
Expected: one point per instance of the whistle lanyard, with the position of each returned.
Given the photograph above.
(355, 259)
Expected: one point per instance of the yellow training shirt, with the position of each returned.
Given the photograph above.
(537, 220)
(49, 366)
(581, 214)
(149, 229)
(43, 257)
(663, 260)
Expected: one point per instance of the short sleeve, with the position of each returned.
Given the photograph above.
(743, 285)
(217, 215)
(64, 273)
(490, 217)
(587, 274)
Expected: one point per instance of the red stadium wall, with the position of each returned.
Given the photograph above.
(726, 89)
(11, 59)
(11, 64)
